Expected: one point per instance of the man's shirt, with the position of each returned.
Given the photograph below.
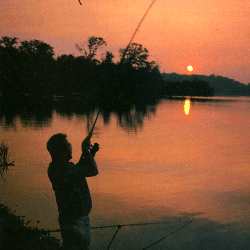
(71, 190)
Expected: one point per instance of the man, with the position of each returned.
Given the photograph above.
(71, 189)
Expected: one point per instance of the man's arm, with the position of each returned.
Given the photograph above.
(87, 162)
(88, 165)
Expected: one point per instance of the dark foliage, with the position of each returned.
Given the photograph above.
(221, 85)
(26, 69)
(15, 235)
(189, 88)
(31, 68)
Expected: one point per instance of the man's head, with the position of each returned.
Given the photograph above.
(59, 148)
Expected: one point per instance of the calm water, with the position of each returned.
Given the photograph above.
(178, 159)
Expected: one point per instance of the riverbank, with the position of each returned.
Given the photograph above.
(14, 234)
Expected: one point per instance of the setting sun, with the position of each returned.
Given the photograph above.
(190, 68)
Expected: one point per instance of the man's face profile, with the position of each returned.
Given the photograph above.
(59, 148)
(68, 151)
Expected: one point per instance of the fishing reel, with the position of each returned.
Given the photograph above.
(94, 148)
(89, 147)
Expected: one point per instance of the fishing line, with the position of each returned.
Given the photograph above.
(186, 223)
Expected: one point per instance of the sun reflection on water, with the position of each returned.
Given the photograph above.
(187, 106)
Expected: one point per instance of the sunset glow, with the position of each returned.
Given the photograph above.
(213, 35)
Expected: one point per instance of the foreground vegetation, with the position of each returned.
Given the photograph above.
(4, 161)
(30, 67)
(15, 235)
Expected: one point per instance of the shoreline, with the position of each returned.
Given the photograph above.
(14, 234)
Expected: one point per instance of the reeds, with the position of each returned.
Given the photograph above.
(4, 164)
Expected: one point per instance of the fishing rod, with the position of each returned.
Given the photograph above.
(136, 30)
(92, 129)
(125, 51)
(93, 148)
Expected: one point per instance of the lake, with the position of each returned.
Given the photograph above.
(172, 160)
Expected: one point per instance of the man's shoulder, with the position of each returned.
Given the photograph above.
(62, 174)
(55, 167)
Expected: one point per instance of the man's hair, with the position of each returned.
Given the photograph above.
(57, 144)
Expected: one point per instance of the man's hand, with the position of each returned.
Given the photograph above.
(87, 161)
(94, 149)
(87, 148)
(86, 144)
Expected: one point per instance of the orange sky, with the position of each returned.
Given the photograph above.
(213, 35)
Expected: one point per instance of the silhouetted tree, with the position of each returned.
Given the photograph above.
(65, 74)
(38, 63)
(8, 42)
(135, 55)
(108, 59)
(94, 43)
(150, 81)
(26, 69)
(9, 66)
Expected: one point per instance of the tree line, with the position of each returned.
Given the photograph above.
(30, 67)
